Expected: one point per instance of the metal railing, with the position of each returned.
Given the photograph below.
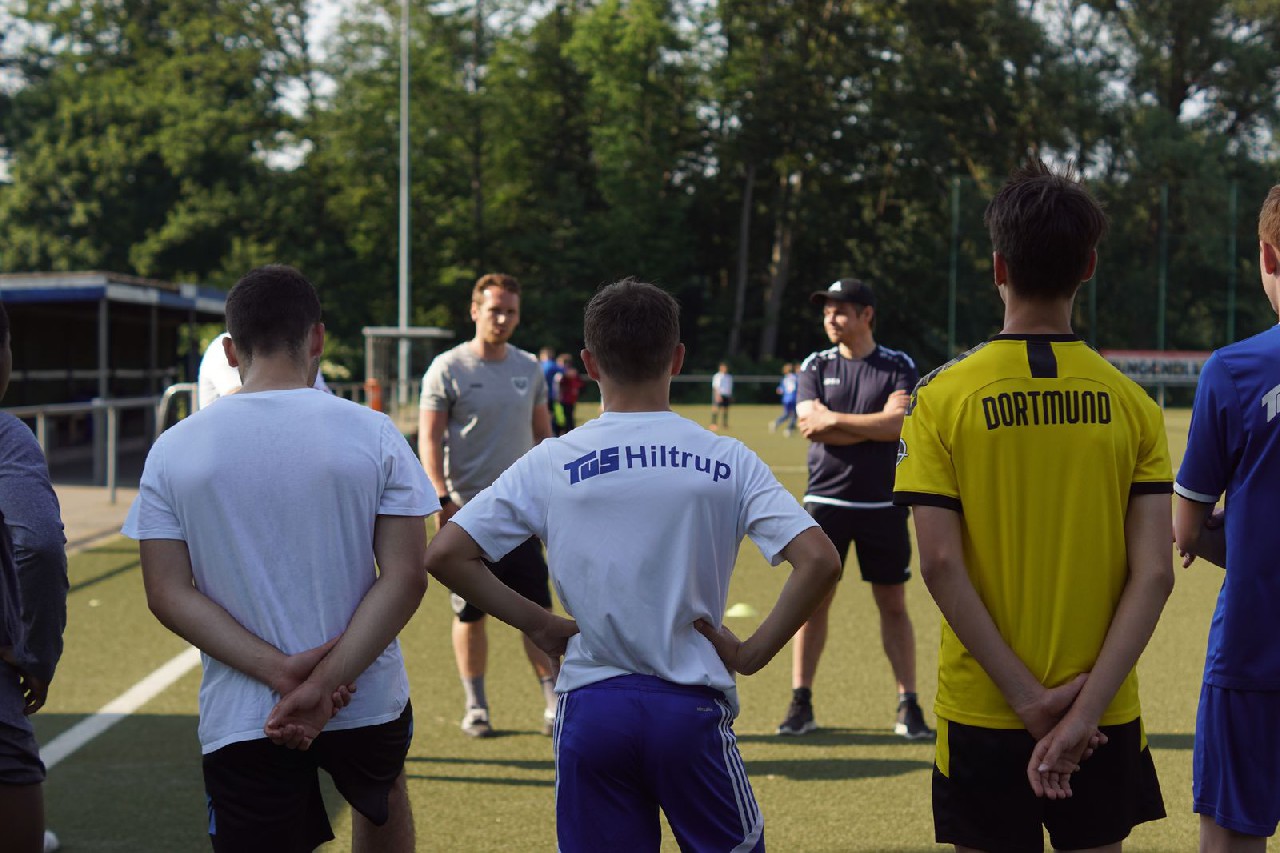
(106, 435)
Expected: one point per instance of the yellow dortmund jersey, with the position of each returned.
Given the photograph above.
(1038, 442)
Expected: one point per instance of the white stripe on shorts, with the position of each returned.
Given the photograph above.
(748, 809)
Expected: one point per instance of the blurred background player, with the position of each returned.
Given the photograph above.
(484, 404)
(647, 703)
(307, 539)
(851, 399)
(551, 372)
(217, 378)
(1039, 479)
(1234, 447)
(568, 386)
(787, 388)
(721, 396)
(33, 614)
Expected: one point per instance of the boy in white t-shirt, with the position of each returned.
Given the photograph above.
(721, 396)
(643, 512)
(260, 522)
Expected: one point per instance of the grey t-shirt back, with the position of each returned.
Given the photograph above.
(490, 406)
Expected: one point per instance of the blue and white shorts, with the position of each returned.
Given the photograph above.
(630, 746)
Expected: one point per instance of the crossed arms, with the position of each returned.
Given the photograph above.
(820, 424)
(1063, 719)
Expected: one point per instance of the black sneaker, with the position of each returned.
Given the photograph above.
(799, 719)
(910, 722)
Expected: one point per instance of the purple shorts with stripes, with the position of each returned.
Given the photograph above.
(633, 745)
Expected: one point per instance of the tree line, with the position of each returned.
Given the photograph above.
(739, 153)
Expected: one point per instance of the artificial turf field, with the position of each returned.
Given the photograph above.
(852, 786)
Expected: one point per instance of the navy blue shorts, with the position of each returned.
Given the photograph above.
(1234, 777)
(524, 569)
(264, 797)
(984, 800)
(633, 745)
(20, 762)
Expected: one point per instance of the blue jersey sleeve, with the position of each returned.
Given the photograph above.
(1214, 438)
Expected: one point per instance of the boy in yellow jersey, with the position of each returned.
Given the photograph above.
(1040, 479)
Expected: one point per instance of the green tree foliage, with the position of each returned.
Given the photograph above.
(139, 139)
(739, 153)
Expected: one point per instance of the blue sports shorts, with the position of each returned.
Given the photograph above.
(630, 746)
(1234, 775)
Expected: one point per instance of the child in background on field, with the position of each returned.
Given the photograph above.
(1234, 447)
(1039, 479)
(787, 389)
(569, 385)
(647, 694)
(721, 396)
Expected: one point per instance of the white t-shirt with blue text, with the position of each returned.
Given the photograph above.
(642, 515)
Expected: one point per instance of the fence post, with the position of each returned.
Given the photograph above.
(113, 432)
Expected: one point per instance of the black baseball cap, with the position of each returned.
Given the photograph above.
(846, 290)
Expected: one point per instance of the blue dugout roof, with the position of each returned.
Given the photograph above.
(114, 287)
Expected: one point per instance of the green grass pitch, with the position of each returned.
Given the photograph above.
(853, 786)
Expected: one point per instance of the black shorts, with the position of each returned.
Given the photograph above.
(20, 762)
(723, 403)
(524, 569)
(987, 803)
(879, 537)
(267, 797)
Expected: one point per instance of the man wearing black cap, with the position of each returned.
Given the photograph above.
(851, 402)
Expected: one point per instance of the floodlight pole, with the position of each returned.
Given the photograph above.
(402, 366)
(954, 272)
(1231, 261)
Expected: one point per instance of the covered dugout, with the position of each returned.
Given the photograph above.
(84, 335)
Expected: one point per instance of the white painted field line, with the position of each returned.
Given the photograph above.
(119, 708)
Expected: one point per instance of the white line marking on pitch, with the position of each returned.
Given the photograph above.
(119, 708)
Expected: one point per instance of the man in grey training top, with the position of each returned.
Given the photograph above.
(484, 405)
(33, 612)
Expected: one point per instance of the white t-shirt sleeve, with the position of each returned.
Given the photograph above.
(405, 487)
(216, 373)
(511, 510)
(152, 515)
(771, 516)
(435, 388)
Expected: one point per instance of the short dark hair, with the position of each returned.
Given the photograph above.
(1269, 219)
(509, 283)
(4, 325)
(272, 307)
(1046, 225)
(632, 328)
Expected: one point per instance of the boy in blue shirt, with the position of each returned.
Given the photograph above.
(788, 387)
(1234, 448)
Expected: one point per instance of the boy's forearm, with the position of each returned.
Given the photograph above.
(456, 561)
(1194, 537)
(199, 620)
(815, 571)
(1145, 593)
(399, 546)
(942, 567)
